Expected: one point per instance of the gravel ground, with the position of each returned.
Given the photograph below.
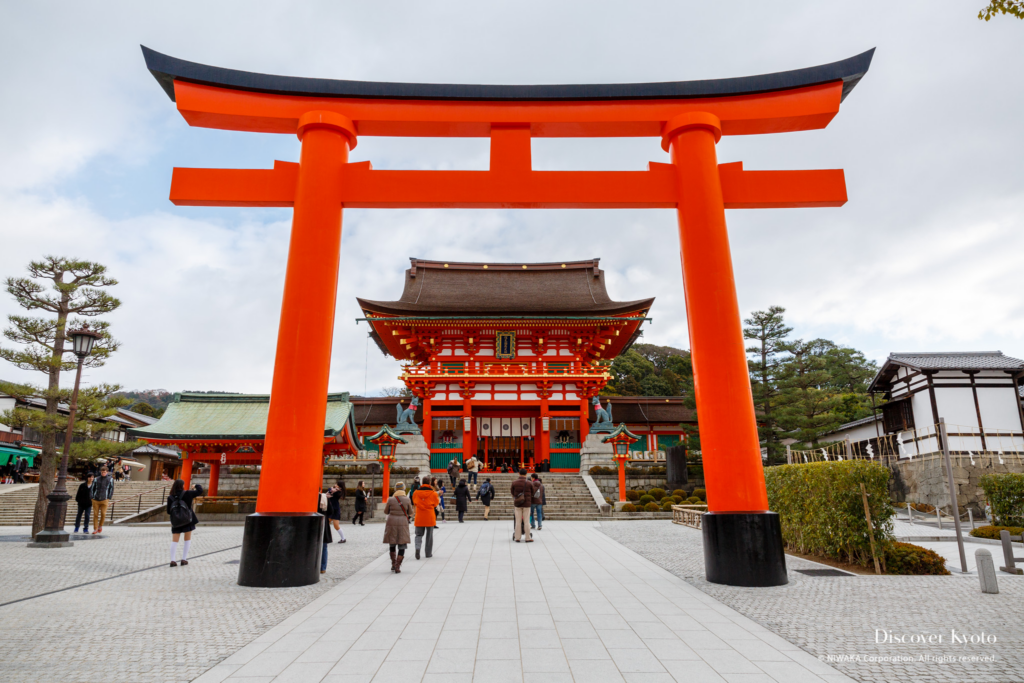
(838, 619)
(160, 624)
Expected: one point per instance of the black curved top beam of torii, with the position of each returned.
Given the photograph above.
(167, 69)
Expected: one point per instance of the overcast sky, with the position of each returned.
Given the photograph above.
(924, 257)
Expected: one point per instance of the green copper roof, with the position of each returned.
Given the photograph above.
(387, 430)
(231, 416)
(621, 429)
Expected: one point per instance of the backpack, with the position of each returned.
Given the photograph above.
(180, 513)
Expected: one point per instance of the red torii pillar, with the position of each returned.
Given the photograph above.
(742, 540)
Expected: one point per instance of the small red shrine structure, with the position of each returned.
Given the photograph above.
(506, 357)
(230, 429)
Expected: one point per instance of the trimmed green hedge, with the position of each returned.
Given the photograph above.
(632, 496)
(907, 558)
(993, 531)
(1005, 494)
(822, 511)
(652, 507)
(657, 493)
(700, 493)
(680, 493)
(629, 507)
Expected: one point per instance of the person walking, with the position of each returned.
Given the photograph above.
(462, 499)
(485, 495)
(19, 470)
(472, 470)
(396, 527)
(537, 507)
(440, 489)
(84, 500)
(453, 471)
(101, 491)
(334, 496)
(426, 501)
(183, 518)
(522, 498)
(360, 504)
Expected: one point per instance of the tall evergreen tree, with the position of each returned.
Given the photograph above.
(808, 404)
(73, 291)
(769, 331)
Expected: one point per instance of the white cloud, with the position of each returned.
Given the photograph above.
(925, 255)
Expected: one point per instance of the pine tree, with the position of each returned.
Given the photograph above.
(72, 292)
(808, 405)
(769, 330)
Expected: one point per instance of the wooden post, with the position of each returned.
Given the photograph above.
(952, 496)
(871, 528)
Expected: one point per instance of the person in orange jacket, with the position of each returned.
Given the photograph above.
(425, 499)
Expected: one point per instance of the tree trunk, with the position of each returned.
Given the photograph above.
(48, 458)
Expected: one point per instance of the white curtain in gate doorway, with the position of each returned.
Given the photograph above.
(505, 426)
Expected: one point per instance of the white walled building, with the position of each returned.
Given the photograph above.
(976, 393)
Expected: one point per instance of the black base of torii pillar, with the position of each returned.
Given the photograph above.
(744, 549)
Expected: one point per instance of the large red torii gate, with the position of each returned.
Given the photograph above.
(742, 540)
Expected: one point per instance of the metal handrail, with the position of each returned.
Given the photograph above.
(113, 503)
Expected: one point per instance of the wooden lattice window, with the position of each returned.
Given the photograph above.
(898, 416)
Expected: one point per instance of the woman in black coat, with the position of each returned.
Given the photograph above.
(360, 504)
(84, 500)
(461, 499)
(178, 492)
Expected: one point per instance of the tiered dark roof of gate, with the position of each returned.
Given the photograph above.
(438, 288)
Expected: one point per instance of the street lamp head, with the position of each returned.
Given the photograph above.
(621, 448)
(82, 340)
(385, 450)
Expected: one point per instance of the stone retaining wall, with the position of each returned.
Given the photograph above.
(923, 480)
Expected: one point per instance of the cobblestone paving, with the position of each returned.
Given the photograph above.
(838, 617)
(158, 625)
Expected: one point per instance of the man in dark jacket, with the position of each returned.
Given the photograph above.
(102, 491)
(522, 498)
(537, 507)
(84, 499)
(485, 495)
(19, 470)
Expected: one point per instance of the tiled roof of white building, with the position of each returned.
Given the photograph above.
(969, 360)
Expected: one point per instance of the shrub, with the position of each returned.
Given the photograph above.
(907, 558)
(629, 507)
(700, 493)
(677, 499)
(666, 504)
(822, 511)
(646, 498)
(993, 531)
(657, 494)
(694, 500)
(1005, 494)
(632, 495)
(652, 507)
(679, 493)
(597, 469)
(658, 470)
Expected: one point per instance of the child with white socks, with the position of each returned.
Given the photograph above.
(183, 518)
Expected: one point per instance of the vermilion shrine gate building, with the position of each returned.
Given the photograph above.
(506, 358)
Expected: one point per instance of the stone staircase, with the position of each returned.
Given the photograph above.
(567, 495)
(17, 501)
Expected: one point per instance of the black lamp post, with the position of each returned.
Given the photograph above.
(53, 534)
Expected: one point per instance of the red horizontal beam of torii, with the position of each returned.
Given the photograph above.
(364, 188)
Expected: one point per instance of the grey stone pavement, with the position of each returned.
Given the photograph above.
(837, 617)
(594, 602)
(157, 625)
(572, 606)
